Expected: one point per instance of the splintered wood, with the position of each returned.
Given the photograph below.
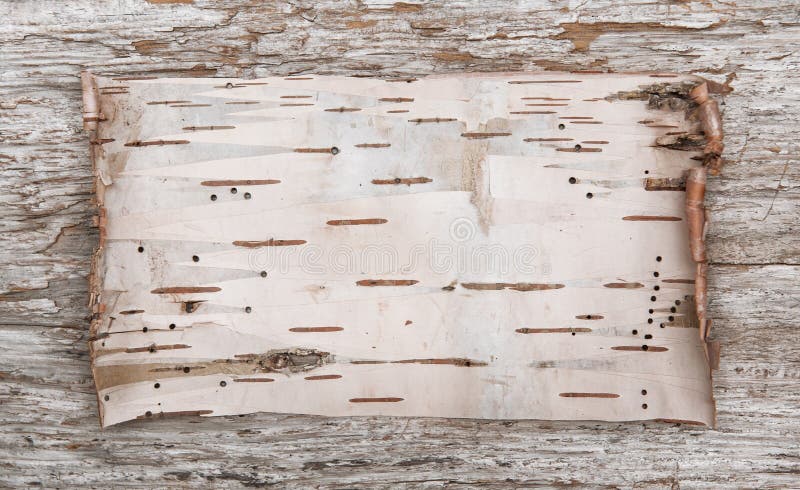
(505, 246)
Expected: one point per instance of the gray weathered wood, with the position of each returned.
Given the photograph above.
(49, 434)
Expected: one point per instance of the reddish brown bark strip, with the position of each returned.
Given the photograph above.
(532, 112)
(227, 183)
(588, 395)
(643, 348)
(396, 99)
(666, 184)
(586, 122)
(624, 285)
(521, 286)
(580, 150)
(343, 109)
(432, 120)
(323, 377)
(553, 330)
(253, 380)
(452, 362)
(268, 243)
(589, 317)
(131, 312)
(477, 135)
(529, 140)
(386, 282)
(373, 145)
(156, 143)
(190, 105)
(314, 150)
(651, 218)
(315, 329)
(153, 348)
(352, 222)
(678, 281)
(388, 399)
(167, 102)
(595, 142)
(399, 181)
(186, 290)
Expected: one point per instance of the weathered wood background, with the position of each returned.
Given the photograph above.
(49, 433)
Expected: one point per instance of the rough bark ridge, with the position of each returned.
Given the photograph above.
(49, 434)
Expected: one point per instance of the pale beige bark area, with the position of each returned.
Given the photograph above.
(527, 269)
(50, 432)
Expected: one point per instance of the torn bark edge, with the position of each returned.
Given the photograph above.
(711, 123)
(92, 116)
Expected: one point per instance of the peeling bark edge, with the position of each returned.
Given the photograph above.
(711, 123)
(92, 116)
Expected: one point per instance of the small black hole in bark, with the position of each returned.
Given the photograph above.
(106, 398)
(649, 320)
(589, 195)
(335, 150)
(573, 180)
(578, 147)
(646, 172)
(187, 369)
(644, 406)
(140, 249)
(263, 273)
(655, 274)
(653, 298)
(678, 302)
(648, 336)
(573, 333)
(247, 195)
(195, 258)
(673, 309)
(651, 311)
(148, 413)
(229, 85)
(144, 329)
(172, 326)
(561, 126)
(635, 332)
(247, 309)
(644, 392)
(223, 384)
(656, 288)
(234, 190)
(658, 259)
(644, 347)
(157, 385)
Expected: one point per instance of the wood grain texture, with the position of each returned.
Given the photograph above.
(49, 434)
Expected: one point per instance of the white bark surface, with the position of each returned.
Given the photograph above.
(49, 434)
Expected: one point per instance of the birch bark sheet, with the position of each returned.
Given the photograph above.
(510, 246)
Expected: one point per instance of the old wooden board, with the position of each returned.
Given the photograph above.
(506, 246)
(50, 434)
